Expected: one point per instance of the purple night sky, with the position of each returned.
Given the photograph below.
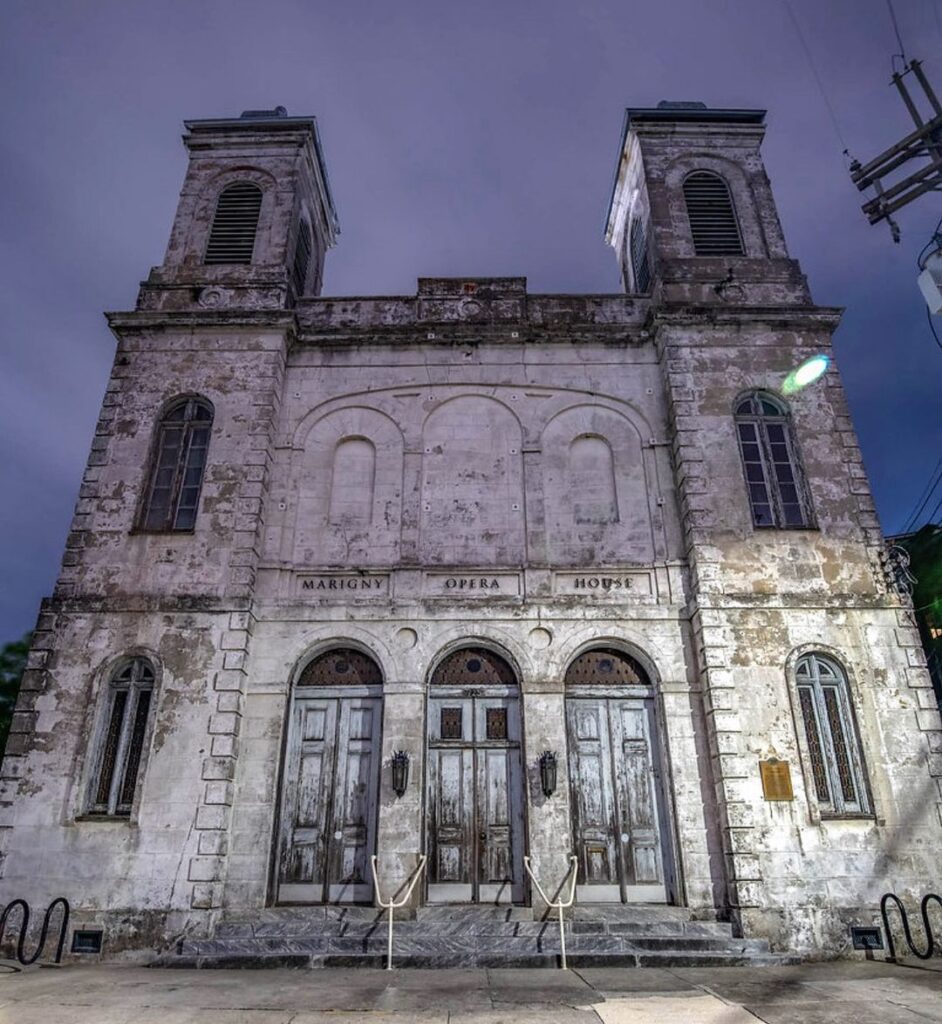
(461, 139)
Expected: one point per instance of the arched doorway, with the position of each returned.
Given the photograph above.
(618, 815)
(330, 781)
(475, 781)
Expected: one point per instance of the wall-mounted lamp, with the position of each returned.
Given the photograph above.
(548, 772)
(400, 772)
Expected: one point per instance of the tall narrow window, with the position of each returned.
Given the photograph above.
(302, 259)
(639, 256)
(712, 218)
(836, 764)
(770, 461)
(232, 236)
(121, 740)
(180, 460)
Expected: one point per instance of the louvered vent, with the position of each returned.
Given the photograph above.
(302, 259)
(712, 218)
(639, 257)
(232, 238)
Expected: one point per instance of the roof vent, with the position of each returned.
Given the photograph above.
(259, 115)
(675, 105)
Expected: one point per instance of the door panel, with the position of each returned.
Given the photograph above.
(329, 805)
(592, 795)
(354, 800)
(636, 797)
(475, 805)
(616, 826)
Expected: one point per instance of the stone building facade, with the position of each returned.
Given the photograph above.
(474, 525)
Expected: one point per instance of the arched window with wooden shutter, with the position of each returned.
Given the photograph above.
(640, 266)
(235, 223)
(713, 224)
(778, 495)
(178, 466)
(302, 259)
(122, 737)
(831, 737)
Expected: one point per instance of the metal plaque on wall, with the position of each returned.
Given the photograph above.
(776, 780)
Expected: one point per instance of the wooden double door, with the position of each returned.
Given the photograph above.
(617, 806)
(475, 796)
(329, 798)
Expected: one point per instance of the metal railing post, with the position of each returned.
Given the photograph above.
(392, 905)
(559, 905)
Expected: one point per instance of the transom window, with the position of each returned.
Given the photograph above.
(604, 666)
(474, 666)
(713, 224)
(772, 469)
(343, 666)
(179, 463)
(836, 764)
(232, 236)
(121, 744)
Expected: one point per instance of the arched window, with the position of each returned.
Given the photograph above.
(302, 259)
(713, 224)
(179, 462)
(770, 462)
(474, 666)
(343, 666)
(121, 738)
(606, 667)
(592, 480)
(351, 483)
(639, 256)
(836, 764)
(232, 236)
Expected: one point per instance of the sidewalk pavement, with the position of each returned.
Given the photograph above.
(841, 992)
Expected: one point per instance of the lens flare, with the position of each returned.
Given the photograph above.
(809, 371)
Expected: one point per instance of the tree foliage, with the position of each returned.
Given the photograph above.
(12, 664)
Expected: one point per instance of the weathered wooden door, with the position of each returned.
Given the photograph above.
(616, 798)
(330, 781)
(475, 792)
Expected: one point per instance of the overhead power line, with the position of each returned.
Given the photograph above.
(899, 38)
(935, 477)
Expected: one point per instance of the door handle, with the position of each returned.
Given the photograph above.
(482, 836)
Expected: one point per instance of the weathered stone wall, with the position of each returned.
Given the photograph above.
(472, 465)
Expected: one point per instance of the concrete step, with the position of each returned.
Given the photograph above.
(471, 936)
(469, 946)
(576, 959)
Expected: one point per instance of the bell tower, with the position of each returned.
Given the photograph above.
(255, 217)
(692, 217)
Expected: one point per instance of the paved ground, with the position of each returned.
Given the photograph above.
(842, 993)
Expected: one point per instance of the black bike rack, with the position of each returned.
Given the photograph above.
(24, 927)
(926, 923)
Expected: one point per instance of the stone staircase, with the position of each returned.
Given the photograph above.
(471, 936)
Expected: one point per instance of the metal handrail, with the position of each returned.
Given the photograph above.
(24, 926)
(927, 924)
(559, 905)
(391, 905)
